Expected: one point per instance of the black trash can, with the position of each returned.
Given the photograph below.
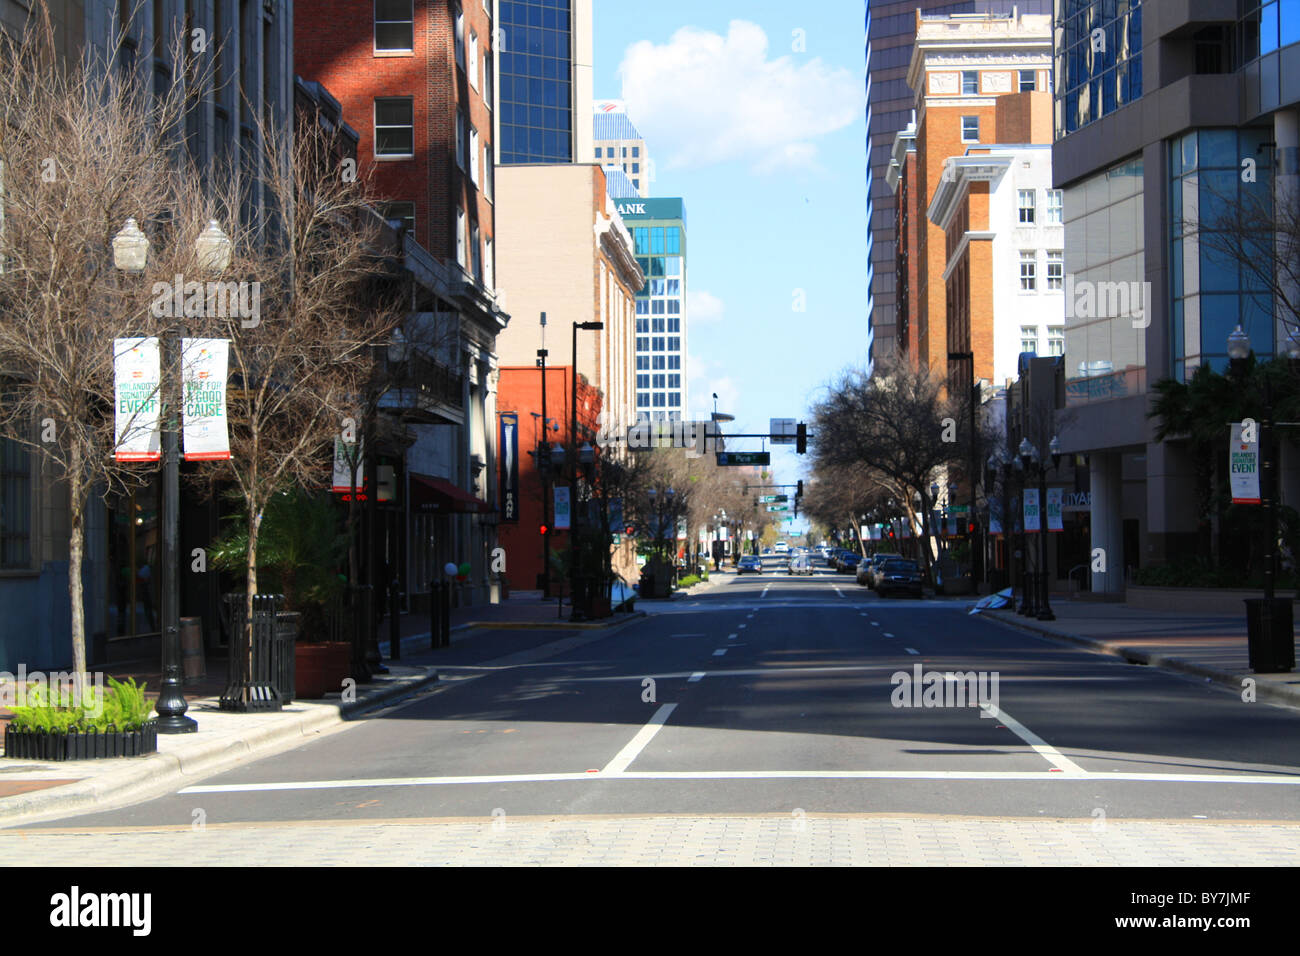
(1270, 635)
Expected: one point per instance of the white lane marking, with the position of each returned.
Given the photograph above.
(731, 637)
(698, 675)
(1036, 775)
(638, 743)
(838, 592)
(1040, 746)
(863, 614)
(690, 635)
(742, 626)
(887, 634)
(910, 650)
(877, 623)
(719, 652)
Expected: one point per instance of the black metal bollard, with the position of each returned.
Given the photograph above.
(446, 614)
(394, 621)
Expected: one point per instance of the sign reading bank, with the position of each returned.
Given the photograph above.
(652, 209)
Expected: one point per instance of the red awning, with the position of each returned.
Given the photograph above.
(437, 495)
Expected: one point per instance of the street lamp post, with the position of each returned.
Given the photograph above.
(579, 613)
(1028, 595)
(1034, 463)
(543, 466)
(130, 254)
(1269, 623)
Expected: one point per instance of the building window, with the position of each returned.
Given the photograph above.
(460, 39)
(636, 184)
(1055, 207)
(460, 237)
(489, 270)
(658, 344)
(403, 211)
(476, 253)
(659, 381)
(625, 152)
(394, 26)
(970, 82)
(674, 381)
(598, 152)
(489, 84)
(659, 362)
(472, 68)
(1055, 270)
(489, 173)
(970, 129)
(636, 168)
(642, 363)
(462, 140)
(674, 325)
(636, 152)
(674, 400)
(1028, 81)
(643, 343)
(15, 505)
(675, 361)
(394, 126)
(1028, 272)
(473, 156)
(674, 344)
(642, 399)
(1029, 338)
(1055, 340)
(1026, 206)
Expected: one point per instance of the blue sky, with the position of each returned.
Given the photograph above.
(754, 114)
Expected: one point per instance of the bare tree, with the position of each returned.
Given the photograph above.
(900, 423)
(82, 150)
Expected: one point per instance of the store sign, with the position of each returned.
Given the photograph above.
(1243, 461)
(204, 427)
(509, 467)
(137, 378)
(1054, 498)
(1031, 510)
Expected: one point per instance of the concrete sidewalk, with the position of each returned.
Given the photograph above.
(32, 790)
(1212, 647)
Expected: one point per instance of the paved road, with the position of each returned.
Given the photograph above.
(756, 723)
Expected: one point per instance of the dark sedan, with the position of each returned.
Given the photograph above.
(848, 563)
(748, 563)
(898, 574)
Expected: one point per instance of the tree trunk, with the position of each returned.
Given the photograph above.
(76, 550)
(254, 527)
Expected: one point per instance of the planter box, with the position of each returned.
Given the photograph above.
(321, 668)
(38, 745)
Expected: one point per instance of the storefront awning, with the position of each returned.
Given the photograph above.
(430, 495)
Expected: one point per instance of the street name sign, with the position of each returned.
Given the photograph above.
(744, 458)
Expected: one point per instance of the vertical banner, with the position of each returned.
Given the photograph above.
(995, 516)
(137, 381)
(1055, 503)
(1031, 511)
(561, 507)
(1243, 461)
(203, 375)
(509, 451)
(345, 454)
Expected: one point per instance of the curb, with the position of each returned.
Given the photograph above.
(159, 773)
(1263, 690)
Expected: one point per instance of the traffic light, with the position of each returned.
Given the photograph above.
(801, 439)
(799, 489)
(542, 530)
(630, 531)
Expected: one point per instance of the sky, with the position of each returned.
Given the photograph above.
(754, 114)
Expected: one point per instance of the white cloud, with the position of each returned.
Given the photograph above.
(702, 98)
(703, 306)
(706, 379)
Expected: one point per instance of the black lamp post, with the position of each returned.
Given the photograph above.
(1269, 622)
(130, 254)
(544, 467)
(1034, 464)
(1028, 595)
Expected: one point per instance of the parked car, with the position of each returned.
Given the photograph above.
(873, 566)
(898, 574)
(748, 563)
(848, 563)
(801, 564)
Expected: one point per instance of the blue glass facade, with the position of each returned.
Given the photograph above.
(536, 81)
(1209, 291)
(1098, 60)
(658, 228)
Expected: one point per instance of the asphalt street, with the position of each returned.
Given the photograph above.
(772, 695)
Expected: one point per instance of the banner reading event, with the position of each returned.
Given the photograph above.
(1031, 510)
(1243, 461)
(203, 428)
(137, 377)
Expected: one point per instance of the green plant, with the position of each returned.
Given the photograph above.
(122, 708)
(688, 580)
